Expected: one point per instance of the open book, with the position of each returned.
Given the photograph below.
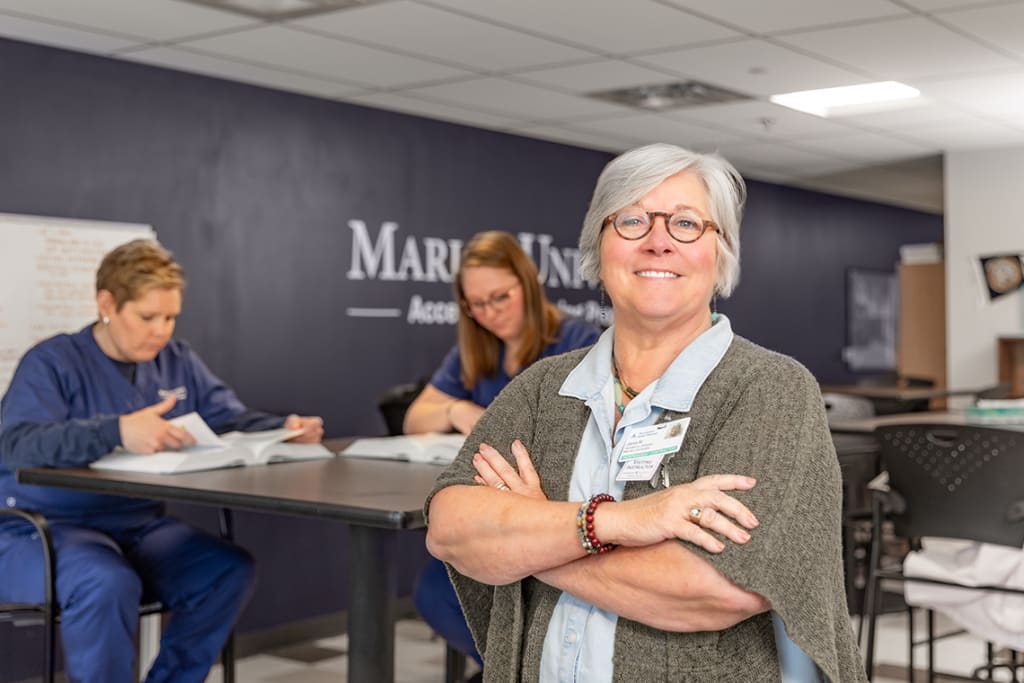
(211, 452)
(435, 449)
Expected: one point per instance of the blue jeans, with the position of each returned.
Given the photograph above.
(437, 603)
(103, 572)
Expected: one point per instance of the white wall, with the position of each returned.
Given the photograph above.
(984, 215)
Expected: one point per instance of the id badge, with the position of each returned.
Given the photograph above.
(646, 447)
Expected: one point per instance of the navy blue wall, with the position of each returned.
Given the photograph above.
(256, 192)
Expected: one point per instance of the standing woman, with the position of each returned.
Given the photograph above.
(664, 506)
(505, 324)
(76, 397)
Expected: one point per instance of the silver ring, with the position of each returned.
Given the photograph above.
(695, 513)
(502, 487)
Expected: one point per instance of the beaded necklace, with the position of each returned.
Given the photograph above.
(621, 388)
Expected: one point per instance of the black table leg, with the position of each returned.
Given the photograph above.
(373, 584)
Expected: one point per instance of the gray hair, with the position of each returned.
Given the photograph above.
(631, 175)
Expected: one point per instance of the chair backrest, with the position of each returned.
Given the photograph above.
(841, 407)
(395, 401)
(956, 481)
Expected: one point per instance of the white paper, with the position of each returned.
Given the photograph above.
(433, 448)
(235, 449)
(200, 431)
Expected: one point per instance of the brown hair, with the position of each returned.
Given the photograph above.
(479, 348)
(137, 267)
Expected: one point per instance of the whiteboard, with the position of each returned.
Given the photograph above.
(48, 278)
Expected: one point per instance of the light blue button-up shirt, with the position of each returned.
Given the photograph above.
(580, 639)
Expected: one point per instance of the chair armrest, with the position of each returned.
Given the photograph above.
(42, 527)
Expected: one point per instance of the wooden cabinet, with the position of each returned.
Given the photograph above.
(921, 331)
(1011, 364)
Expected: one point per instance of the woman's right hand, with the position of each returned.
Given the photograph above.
(668, 514)
(145, 431)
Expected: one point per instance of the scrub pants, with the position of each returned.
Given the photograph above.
(106, 569)
(435, 600)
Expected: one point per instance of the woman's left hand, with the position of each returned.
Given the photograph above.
(493, 470)
(312, 428)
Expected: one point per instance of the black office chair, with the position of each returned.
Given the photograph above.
(944, 481)
(395, 401)
(47, 613)
(858, 465)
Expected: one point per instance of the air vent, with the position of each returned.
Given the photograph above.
(281, 9)
(674, 95)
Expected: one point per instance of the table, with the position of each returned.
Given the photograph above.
(376, 498)
(895, 392)
(939, 417)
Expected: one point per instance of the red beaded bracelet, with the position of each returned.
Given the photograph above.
(585, 525)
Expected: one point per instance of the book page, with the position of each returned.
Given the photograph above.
(169, 462)
(256, 443)
(195, 425)
(433, 448)
(214, 452)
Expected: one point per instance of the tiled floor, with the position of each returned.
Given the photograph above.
(954, 655)
(419, 657)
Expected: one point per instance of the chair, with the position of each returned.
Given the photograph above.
(393, 404)
(858, 465)
(395, 401)
(960, 482)
(48, 612)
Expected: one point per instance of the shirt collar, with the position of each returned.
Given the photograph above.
(675, 389)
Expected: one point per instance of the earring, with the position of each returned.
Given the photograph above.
(106, 320)
(603, 308)
(714, 309)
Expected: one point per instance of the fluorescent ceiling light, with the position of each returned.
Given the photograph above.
(849, 99)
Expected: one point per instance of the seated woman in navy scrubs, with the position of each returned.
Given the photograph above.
(74, 398)
(505, 324)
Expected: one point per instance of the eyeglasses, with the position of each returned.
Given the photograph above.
(683, 226)
(498, 302)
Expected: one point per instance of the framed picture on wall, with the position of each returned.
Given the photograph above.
(872, 310)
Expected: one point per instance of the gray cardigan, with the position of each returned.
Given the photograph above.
(759, 414)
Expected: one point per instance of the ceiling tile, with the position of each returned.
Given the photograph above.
(979, 135)
(642, 129)
(754, 67)
(996, 94)
(603, 75)
(516, 99)
(237, 71)
(419, 107)
(611, 27)
(932, 5)
(330, 58)
(145, 19)
(925, 113)
(759, 16)
(571, 136)
(868, 147)
(32, 31)
(783, 156)
(438, 34)
(756, 118)
(900, 49)
(999, 26)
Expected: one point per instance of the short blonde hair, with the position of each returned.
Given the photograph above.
(136, 267)
(631, 175)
